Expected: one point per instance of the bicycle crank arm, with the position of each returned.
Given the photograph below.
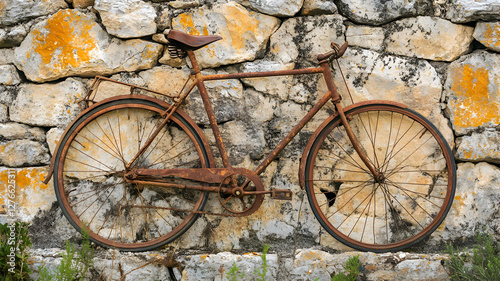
(276, 194)
(281, 194)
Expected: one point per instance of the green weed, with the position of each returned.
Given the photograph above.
(14, 243)
(74, 264)
(233, 273)
(483, 264)
(352, 269)
(262, 273)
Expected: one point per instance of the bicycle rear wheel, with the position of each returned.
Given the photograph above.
(388, 215)
(89, 175)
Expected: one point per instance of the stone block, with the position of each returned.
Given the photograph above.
(6, 56)
(31, 195)
(47, 104)
(184, 4)
(318, 7)
(274, 86)
(165, 79)
(307, 37)
(376, 12)
(471, 92)
(311, 264)
(488, 33)
(83, 3)
(225, 96)
(472, 10)
(14, 11)
(277, 8)
(12, 131)
(4, 113)
(262, 106)
(423, 37)
(53, 138)
(245, 33)
(216, 266)
(478, 147)
(372, 76)
(416, 270)
(127, 18)
(9, 75)
(8, 94)
(164, 20)
(70, 43)
(365, 36)
(18, 153)
(12, 36)
(475, 206)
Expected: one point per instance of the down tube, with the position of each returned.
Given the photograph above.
(293, 133)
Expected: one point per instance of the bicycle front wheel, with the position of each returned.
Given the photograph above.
(90, 172)
(388, 214)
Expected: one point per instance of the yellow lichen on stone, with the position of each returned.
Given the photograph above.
(310, 255)
(31, 194)
(239, 23)
(474, 105)
(492, 35)
(186, 20)
(3, 8)
(64, 40)
(31, 179)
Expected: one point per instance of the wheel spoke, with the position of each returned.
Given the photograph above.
(91, 171)
(404, 205)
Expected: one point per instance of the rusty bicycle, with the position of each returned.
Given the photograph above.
(137, 171)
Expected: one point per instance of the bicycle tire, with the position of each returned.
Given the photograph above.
(89, 181)
(393, 214)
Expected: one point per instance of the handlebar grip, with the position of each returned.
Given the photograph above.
(337, 51)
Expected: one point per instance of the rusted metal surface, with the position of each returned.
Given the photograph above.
(167, 114)
(315, 70)
(308, 146)
(192, 41)
(207, 175)
(281, 194)
(391, 107)
(240, 191)
(272, 155)
(355, 142)
(210, 112)
(253, 187)
(334, 54)
(340, 111)
(88, 99)
(61, 184)
(123, 97)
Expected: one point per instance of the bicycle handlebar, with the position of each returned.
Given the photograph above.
(336, 53)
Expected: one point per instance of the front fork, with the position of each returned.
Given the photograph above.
(379, 177)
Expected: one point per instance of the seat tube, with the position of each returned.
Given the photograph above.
(209, 109)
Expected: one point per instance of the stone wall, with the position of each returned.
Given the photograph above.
(440, 57)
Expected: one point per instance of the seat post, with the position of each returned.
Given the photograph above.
(208, 108)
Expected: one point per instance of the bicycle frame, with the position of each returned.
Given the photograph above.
(165, 187)
(199, 80)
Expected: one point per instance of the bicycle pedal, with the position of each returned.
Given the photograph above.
(281, 194)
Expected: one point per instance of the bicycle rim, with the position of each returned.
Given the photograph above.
(404, 208)
(90, 184)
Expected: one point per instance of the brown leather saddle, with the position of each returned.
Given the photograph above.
(191, 41)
